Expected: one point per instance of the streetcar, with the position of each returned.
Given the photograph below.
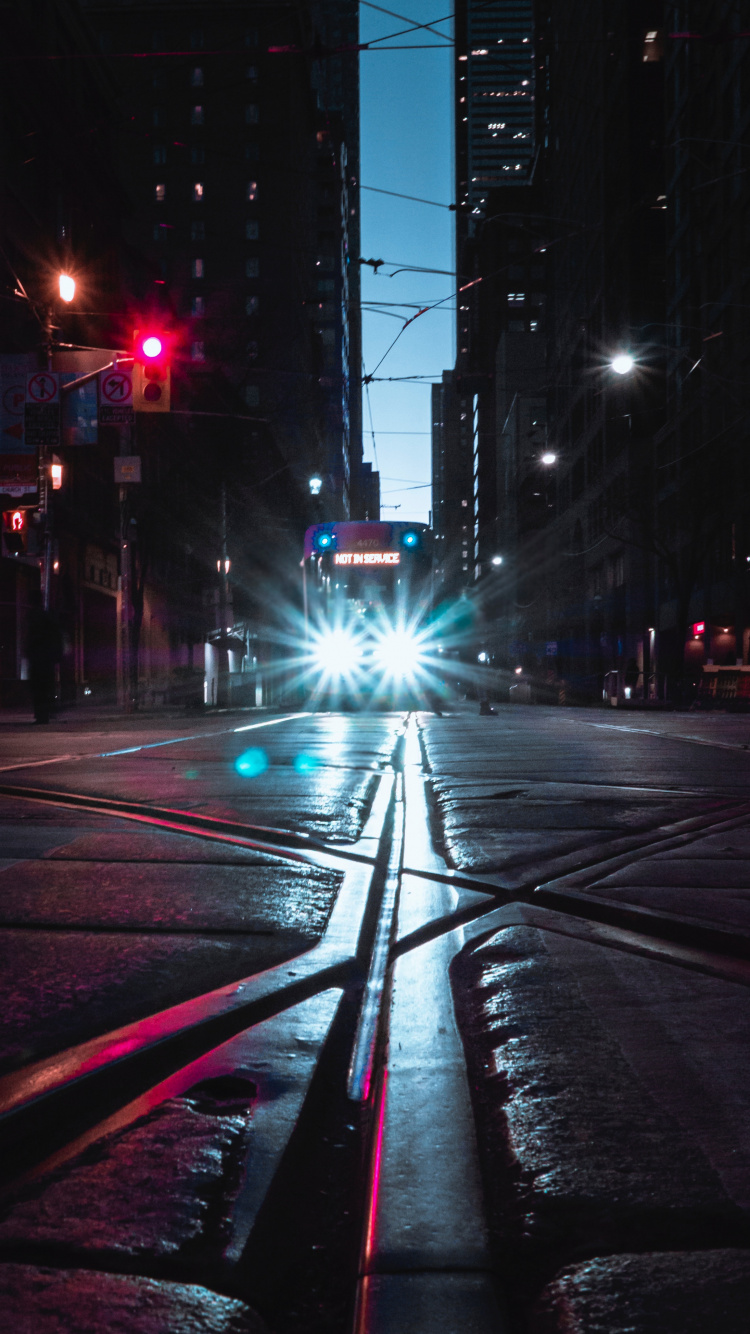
(367, 599)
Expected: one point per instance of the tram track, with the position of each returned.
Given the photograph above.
(52, 1110)
(46, 1095)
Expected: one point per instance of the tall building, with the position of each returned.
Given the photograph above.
(494, 108)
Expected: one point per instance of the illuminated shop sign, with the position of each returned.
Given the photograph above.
(699, 627)
(367, 558)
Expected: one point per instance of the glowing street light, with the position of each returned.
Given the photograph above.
(67, 287)
(315, 484)
(497, 560)
(548, 460)
(622, 364)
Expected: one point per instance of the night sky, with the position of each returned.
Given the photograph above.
(407, 146)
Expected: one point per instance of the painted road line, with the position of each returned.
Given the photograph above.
(152, 745)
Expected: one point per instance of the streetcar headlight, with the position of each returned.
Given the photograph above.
(336, 652)
(399, 653)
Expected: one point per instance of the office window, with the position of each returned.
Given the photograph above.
(251, 231)
(196, 116)
(251, 268)
(251, 305)
(252, 395)
(198, 351)
(326, 285)
(251, 113)
(197, 268)
(160, 193)
(198, 191)
(197, 156)
(160, 155)
(196, 78)
(198, 231)
(252, 191)
(198, 307)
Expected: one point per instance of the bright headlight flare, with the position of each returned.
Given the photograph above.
(399, 653)
(336, 652)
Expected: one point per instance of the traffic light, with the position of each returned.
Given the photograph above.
(15, 532)
(151, 380)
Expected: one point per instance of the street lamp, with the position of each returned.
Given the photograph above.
(67, 287)
(622, 364)
(497, 560)
(315, 484)
(548, 460)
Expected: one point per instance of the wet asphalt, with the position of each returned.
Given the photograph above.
(608, 1088)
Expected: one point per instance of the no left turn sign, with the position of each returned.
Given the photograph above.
(117, 388)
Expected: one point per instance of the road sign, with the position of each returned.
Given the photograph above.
(127, 468)
(115, 397)
(43, 387)
(42, 411)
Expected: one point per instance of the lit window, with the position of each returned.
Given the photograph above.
(198, 307)
(198, 231)
(160, 193)
(196, 78)
(198, 191)
(251, 268)
(251, 114)
(198, 351)
(252, 191)
(251, 305)
(516, 298)
(251, 231)
(160, 156)
(196, 116)
(252, 395)
(197, 268)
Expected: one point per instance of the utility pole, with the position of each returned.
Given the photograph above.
(222, 683)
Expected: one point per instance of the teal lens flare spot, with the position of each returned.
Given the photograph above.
(306, 764)
(251, 763)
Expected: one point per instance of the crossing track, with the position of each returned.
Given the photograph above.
(369, 1007)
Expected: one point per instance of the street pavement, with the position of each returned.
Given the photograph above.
(609, 1073)
(560, 1117)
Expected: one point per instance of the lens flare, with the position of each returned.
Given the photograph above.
(251, 763)
(306, 764)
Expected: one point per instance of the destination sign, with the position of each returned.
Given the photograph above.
(367, 558)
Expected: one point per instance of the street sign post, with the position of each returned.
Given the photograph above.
(116, 397)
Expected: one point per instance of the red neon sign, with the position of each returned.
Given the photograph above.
(367, 558)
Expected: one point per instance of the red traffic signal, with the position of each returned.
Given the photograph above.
(151, 379)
